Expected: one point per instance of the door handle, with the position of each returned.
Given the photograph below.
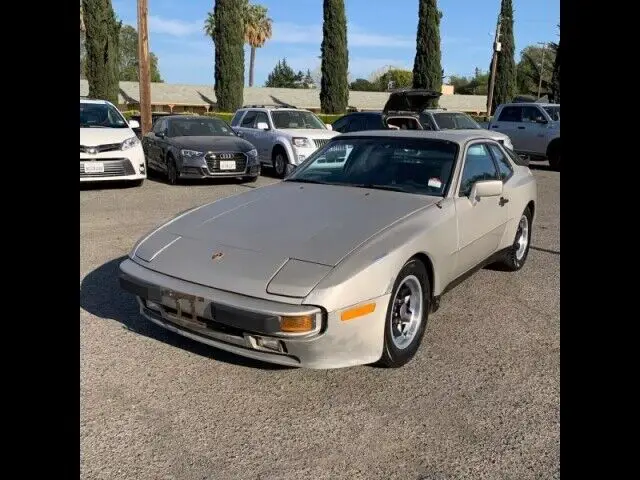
(520, 128)
(503, 201)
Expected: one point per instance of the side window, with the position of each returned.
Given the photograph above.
(235, 121)
(357, 124)
(248, 120)
(532, 114)
(160, 126)
(374, 122)
(503, 163)
(510, 114)
(478, 165)
(340, 124)
(260, 117)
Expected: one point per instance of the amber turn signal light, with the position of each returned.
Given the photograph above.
(358, 311)
(297, 324)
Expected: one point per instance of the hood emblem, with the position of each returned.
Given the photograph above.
(217, 256)
(225, 155)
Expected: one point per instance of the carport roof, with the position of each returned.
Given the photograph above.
(203, 95)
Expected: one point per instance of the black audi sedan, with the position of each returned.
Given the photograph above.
(192, 146)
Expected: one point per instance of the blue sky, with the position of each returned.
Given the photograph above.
(379, 33)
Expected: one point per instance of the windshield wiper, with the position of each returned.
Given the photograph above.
(380, 187)
(307, 180)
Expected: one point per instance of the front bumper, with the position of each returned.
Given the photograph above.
(239, 324)
(200, 172)
(113, 166)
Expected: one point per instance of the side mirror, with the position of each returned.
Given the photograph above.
(289, 169)
(329, 126)
(485, 188)
(134, 124)
(161, 134)
(262, 126)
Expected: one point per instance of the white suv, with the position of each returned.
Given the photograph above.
(109, 148)
(282, 135)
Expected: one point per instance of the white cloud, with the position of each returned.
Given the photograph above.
(176, 28)
(286, 32)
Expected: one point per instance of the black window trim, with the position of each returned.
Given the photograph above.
(245, 114)
(497, 162)
(464, 162)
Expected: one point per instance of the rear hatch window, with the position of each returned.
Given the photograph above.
(414, 100)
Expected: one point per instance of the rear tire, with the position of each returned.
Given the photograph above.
(517, 254)
(407, 315)
(554, 159)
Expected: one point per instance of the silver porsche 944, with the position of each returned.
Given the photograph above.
(342, 262)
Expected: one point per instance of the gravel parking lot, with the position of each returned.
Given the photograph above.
(480, 400)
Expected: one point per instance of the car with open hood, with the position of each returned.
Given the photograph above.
(378, 226)
(109, 148)
(410, 109)
(198, 147)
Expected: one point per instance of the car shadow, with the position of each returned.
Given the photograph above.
(101, 295)
(110, 185)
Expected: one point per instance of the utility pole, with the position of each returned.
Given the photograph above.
(497, 46)
(143, 65)
(544, 47)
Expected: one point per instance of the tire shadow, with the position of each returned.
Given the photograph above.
(101, 295)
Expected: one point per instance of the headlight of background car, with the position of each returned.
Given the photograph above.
(252, 155)
(301, 142)
(191, 153)
(130, 143)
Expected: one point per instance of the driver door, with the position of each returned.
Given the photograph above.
(481, 224)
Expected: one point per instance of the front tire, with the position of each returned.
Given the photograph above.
(407, 315)
(517, 254)
(554, 159)
(172, 171)
(280, 163)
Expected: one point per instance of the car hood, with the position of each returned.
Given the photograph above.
(281, 239)
(414, 101)
(309, 132)
(103, 136)
(208, 143)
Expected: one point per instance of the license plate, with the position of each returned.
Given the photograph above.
(227, 165)
(94, 167)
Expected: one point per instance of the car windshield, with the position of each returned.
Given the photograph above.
(100, 115)
(199, 127)
(554, 112)
(455, 121)
(411, 165)
(296, 119)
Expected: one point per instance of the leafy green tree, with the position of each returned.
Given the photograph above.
(505, 82)
(128, 60)
(334, 85)
(229, 54)
(395, 77)
(363, 85)
(283, 76)
(257, 30)
(531, 68)
(102, 32)
(427, 67)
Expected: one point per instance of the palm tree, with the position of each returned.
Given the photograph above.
(257, 30)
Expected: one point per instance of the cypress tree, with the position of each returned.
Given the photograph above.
(427, 68)
(334, 85)
(102, 32)
(505, 83)
(555, 78)
(229, 54)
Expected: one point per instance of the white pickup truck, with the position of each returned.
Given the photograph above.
(534, 129)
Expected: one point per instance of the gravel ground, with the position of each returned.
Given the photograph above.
(480, 399)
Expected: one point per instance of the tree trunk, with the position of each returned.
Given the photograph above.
(252, 62)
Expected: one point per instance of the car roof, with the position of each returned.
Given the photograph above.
(94, 101)
(456, 136)
(272, 108)
(530, 104)
(186, 117)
